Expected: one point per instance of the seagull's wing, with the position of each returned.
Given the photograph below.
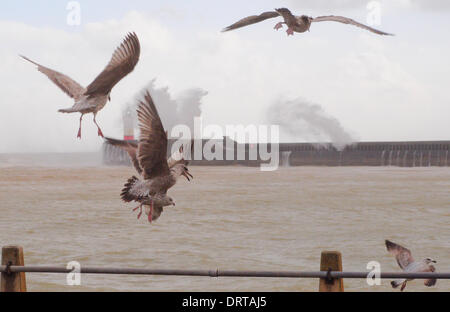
(249, 20)
(152, 150)
(123, 61)
(130, 148)
(178, 165)
(402, 255)
(432, 281)
(287, 15)
(175, 158)
(346, 20)
(65, 83)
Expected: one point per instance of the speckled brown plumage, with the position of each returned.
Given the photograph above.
(149, 157)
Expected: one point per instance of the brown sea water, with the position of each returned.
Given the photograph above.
(62, 208)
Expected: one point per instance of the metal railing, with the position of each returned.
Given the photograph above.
(221, 273)
(331, 275)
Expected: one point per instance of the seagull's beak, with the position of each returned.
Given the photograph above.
(186, 176)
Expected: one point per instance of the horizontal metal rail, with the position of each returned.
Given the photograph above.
(223, 273)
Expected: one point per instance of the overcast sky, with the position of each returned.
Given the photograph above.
(378, 88)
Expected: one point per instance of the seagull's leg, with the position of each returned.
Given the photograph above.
(100, 133)
(290, 31)
(140, 212)
(150, 215)
(403, 286)
(279, 25)
(79, 129)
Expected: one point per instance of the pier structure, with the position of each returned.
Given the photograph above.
(230, 152)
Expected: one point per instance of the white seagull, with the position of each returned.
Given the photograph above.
(93, 98)
(298, 24)
(408, 264)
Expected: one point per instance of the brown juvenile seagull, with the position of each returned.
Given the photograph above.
(93, 98)
(149, 158)
(298, 24)
(408, 264)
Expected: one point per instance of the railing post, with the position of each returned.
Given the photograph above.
(12, 282)
(331, 261)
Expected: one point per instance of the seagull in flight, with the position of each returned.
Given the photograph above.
(298, 24)
(131, 148)
(93, 98)
(408, 264)
(149, 158)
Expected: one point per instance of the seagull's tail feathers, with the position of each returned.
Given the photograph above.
(397, 283)
(126, 194)
(68, 110)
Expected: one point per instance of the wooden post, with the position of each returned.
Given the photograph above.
(13, 282)
(331, 260)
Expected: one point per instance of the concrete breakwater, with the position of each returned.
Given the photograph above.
(400, 154)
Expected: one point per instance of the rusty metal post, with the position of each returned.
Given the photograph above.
(331, 261)
(12, 282)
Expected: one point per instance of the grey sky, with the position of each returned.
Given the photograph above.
(378, 88)
(361, 4)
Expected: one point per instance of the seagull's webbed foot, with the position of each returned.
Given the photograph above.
(403, 286)
(100, 133)
(290, 31)
(278, 26)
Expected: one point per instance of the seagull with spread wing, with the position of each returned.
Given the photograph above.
(408, 264)
(149, 158)
(298, 24)
(93, 98)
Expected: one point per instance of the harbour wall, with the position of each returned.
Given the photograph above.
(401, 154)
